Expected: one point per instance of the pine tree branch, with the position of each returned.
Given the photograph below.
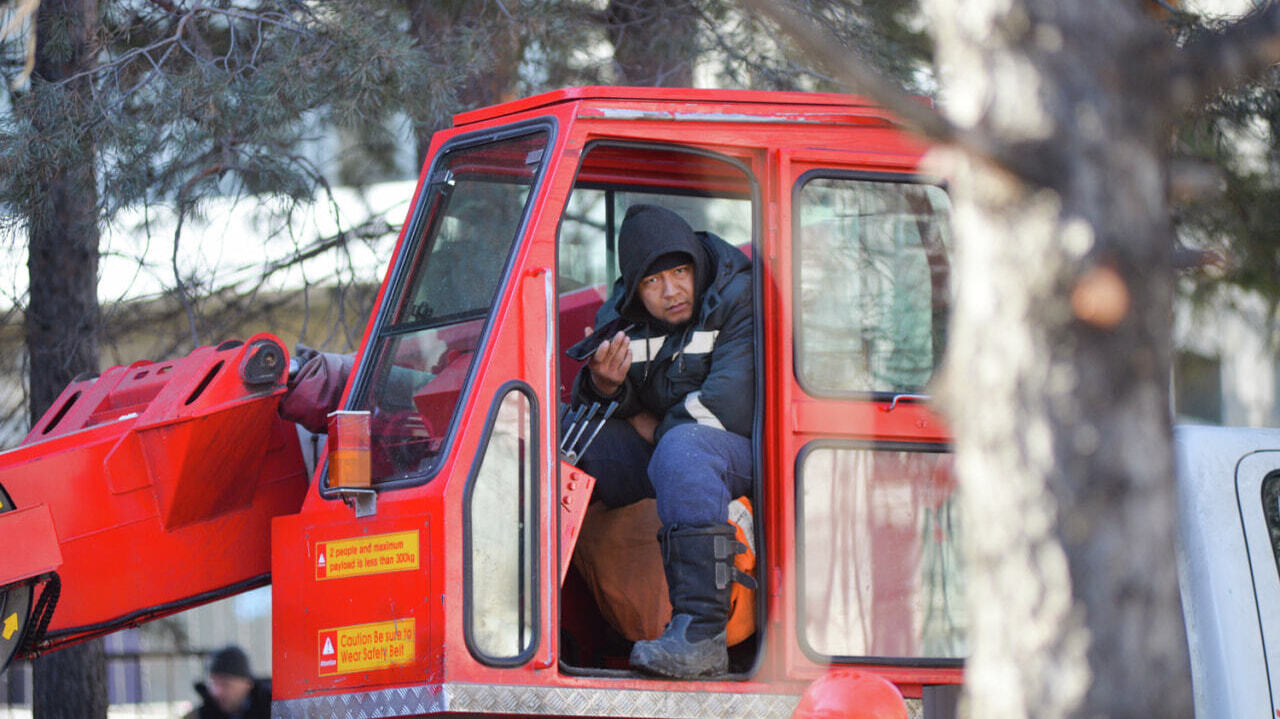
(857, 76)
(1021, 160)
(1215, 61)
(275, 19)
(750, 57)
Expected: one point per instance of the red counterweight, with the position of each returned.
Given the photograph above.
(161, 479)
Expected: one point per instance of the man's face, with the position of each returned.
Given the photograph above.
(668, 295)
(230, 692)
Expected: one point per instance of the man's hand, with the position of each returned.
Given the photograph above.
(646, 424)
(610, 363)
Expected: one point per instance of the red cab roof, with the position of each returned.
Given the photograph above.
(690, 100)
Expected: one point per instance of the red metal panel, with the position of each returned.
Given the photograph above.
(785, 101)
(575, 495)
(314, 602)
(161, 480)
(31, 545)
(908, 421)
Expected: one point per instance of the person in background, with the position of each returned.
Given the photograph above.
(232, 692)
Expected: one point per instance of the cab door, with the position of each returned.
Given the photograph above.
(615, 591)
(441, 571)
(870, 524)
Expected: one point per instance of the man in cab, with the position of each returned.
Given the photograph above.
(681, 367)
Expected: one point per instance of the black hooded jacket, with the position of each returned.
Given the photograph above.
(259, 706)
(702, 372)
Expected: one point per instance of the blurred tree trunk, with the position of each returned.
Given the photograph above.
(1057, 141)
(71, 683)
(655, 42)
(1059, 365)
(62, 310)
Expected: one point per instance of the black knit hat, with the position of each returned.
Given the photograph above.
(230, 661)
(666, 262)
(650, 240)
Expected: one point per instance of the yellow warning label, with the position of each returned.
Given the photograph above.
(10, 626)
(365, 647)
(375, 554)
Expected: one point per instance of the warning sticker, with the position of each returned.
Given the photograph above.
(375, 554)
(365, 647)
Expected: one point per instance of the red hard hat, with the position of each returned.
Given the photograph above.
(851, 694)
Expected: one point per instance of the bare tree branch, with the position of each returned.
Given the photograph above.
(1242, 50)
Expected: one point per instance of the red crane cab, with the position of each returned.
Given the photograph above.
(445, 582)
(453, 592)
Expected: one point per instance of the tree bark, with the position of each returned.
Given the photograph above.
(79, 686)
(655, 42)
(62, 310)
(1058, 371)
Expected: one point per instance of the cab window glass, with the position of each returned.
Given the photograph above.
(471, 211)
(588, 231)
(879, 534)
(1271, 510)
(500, 531)
(873, 285)
(587, 242)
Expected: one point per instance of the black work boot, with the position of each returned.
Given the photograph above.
(699, 565)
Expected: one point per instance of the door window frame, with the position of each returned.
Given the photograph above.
(797, 234)
(412, 236)
(759, 499)
(533, 552)
(801, 634)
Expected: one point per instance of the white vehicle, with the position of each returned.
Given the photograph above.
(1229, 567)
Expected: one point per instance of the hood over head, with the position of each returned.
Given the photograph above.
(653, 239)
(230, 661)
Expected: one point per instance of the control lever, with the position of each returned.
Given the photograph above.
(583, 424)
(575, 452)
(574, 415)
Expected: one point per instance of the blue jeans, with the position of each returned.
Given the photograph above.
(694, 471)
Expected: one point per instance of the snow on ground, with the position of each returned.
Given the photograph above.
(231, 242)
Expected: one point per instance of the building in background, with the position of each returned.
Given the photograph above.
(151, 670)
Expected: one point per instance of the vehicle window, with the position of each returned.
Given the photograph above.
(879, 552)
(1271, 510)
(588, 231)
(472, 209)
(587, 242)
(501, 540)
(873, 285)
